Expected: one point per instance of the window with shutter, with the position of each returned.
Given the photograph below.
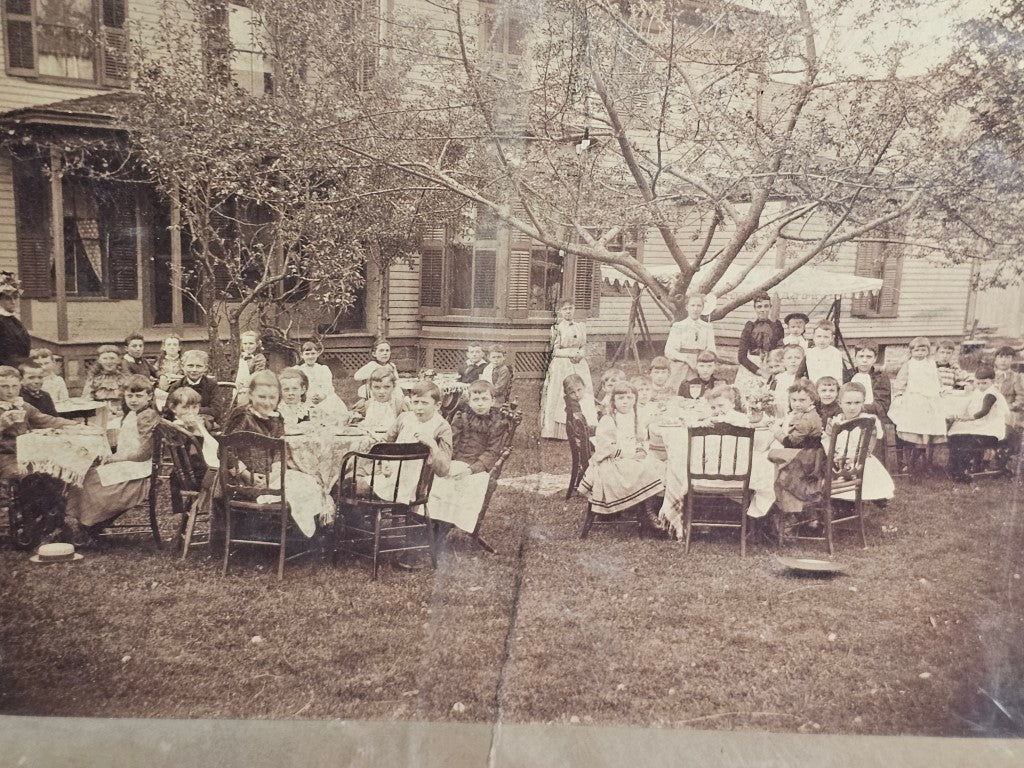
(431, 279)
(115, 44)
(369, 23)
(519, 280)
(547, 266)
(484, 275)
(880, 260)
(585, 288)
(122, 256)
(20, 37)
(32, 227)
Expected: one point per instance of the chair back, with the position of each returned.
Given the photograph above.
(177, 456)
(244, 456)
(577, 431)
(721, 452)
(512, 418)
(847, 454)
(227, 395)
(450, 401)
(390, 473)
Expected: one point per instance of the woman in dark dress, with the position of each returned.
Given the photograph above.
(760, 336)
(14, 341)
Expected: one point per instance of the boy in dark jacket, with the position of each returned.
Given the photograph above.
(195, 363)
(878, 390)
(32, 391)
(478, 435)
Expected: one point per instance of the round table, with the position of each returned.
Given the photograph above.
(318, 451)
(65, 453)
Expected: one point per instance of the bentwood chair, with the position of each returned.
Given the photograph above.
(512, 417)
(247, 460)
(381, 502)
(577, 432)
(182, 468)
(719, 461)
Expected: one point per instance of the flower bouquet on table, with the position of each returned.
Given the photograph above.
(759, 401)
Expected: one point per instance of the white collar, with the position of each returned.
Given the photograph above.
(5, 313)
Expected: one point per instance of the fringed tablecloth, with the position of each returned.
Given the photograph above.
(61, 454)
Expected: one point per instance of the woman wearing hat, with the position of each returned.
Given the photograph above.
(14, 341)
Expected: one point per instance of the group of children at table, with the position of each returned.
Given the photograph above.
(461, 453)
(813, 392)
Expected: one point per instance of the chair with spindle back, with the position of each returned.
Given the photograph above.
(719, 461)
(848, 451)
(177, 457)
(384, 521)
(247, 460)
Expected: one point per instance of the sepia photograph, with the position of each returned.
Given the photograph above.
(642, 371)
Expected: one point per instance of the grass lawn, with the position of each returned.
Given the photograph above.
(922, 636)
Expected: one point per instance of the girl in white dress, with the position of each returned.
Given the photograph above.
(622, 473)
(878, 484)
(982, 425)
(916, 408)
(568, 357)
(320, 393)
(381, 358)
(687, 338)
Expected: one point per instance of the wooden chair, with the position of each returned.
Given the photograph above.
(128, 523)
(848, 450)
(578, 433)
(383, 525)
(512, 417)
(249, 497)
(226, 399)
(174, 454)
(450, 402)
(719, 460)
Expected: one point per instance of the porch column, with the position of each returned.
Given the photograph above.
(57, 240)
(177, 317)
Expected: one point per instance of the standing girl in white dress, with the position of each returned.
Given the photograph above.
(381, 358)
(916, 408)
(568, 357)
(321, 394)
(687, 338)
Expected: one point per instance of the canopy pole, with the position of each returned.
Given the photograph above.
(834, 314)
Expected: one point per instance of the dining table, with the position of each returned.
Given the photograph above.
(66, 453)
(318, 450)
(83, 408)
(670, 436)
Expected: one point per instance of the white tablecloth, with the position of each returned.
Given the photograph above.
(676, 442)
(63, 454)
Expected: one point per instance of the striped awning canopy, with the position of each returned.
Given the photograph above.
(808, 282)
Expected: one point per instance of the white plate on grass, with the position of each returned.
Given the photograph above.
(810, 565)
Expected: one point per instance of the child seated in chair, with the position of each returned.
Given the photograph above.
(622, 473)
(798, 453)
(293, 406)
(478, 436)
(705, 380)
(122, 482)
(981, 426)
(661, 388)
(878, 485)
(307, 499)
(184, 403)
(195, 363)
(828, 398)
(422, 423)
(381, 409)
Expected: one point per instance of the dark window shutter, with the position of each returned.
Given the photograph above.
(891, 274)
(114, 13)
(370, 16)
(431, 279)
(519, 281)
(21, 45)
(864, 266)
(585, 288)
(32, 228)
(122, 257)
(115, 44)
(484, 270)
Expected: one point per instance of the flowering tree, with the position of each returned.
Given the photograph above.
(731, 135)
(275, 206)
